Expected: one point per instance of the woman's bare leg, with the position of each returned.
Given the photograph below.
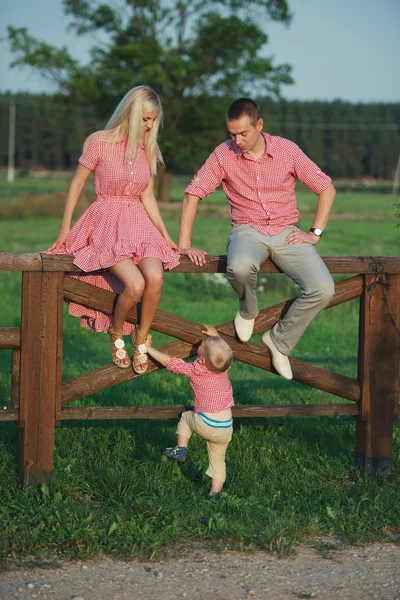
(134, 283)
(153, 274)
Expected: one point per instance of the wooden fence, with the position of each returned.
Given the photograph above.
(39, 396)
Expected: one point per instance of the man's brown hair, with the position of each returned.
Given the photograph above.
(243, 106)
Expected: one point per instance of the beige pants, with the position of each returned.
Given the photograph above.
(248, 248)
(217, 441)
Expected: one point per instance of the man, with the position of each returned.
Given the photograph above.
(258, 173)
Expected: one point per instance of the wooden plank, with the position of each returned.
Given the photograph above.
(111, 375)
(40, 379)
(346, 290)
(8, 414)
(217, 264)
(316, 377)
(15, 377)
(379, 356)
(59, 262)
(10, 338)
(20, 262)
(190, 333)
(170, 412)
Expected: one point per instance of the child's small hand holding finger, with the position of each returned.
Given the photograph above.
(209, 330)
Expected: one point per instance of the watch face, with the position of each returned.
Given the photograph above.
(318, 231)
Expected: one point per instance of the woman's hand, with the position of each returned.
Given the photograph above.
(197, 256)
(62, 238)
(172, 244)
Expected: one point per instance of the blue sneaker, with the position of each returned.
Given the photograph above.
(214, 497)
(178, 453)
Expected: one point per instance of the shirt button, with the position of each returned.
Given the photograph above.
(131, 172)
(259, 194)
(258, 178)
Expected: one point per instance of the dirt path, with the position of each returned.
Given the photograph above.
(352, 573)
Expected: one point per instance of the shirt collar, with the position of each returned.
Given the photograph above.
(268, 147)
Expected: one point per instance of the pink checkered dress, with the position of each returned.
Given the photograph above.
(115, 226)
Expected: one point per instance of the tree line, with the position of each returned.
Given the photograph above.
(346, 140)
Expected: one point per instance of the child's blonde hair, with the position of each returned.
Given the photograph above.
(217, 354)
(126, 123)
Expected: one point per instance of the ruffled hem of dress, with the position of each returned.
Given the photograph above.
(89, 259)
(95, 320)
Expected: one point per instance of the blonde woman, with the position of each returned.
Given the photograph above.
(122, 231)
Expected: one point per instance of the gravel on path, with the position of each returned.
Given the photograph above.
(351, 573)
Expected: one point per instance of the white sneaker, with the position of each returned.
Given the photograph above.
(244, 327)
(280, 361)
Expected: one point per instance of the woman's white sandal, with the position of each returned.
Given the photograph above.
(140, 356)
(118, 350)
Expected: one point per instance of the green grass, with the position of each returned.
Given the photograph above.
(288, 479)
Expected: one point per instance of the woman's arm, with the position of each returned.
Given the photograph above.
(74, 191)
(151, 207)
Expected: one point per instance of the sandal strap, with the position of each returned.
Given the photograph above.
(118, 348)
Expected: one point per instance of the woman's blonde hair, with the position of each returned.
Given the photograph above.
(126, 123)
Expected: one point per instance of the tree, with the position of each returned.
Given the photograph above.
(196, 53)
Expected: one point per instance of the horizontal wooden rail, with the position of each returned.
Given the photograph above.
(10, 338)
(170, 412)
(8, 414)
(20, 262)
(215, 264)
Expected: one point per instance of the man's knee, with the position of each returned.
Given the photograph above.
(324, 291)
(242, 270)
(327, 290)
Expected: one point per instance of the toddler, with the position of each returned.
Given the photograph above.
(213, 399)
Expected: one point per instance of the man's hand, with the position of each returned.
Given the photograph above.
(197, 256)
(301, 237)
(209, 330)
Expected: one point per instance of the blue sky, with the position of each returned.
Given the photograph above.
(344, 49)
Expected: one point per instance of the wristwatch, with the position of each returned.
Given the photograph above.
(316, 231)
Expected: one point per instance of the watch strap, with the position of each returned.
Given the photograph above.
(314, 229)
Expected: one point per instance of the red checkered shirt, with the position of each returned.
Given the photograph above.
(260, 191)
(212, 391)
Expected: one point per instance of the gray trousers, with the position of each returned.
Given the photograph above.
(247, 249)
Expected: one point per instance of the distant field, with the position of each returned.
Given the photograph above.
(288, 479)
(33, 196)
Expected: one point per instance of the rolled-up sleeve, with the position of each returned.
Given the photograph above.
(207, 179)
(91, 152)
(308, 172)
(180, 367)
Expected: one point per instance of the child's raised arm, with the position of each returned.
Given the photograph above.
(160, 357)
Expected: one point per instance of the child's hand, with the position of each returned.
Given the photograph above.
(209, 330)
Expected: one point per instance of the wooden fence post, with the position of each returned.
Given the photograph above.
(41, 370)
(378, 370)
